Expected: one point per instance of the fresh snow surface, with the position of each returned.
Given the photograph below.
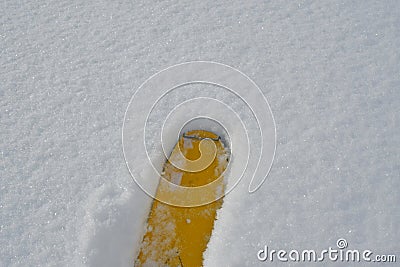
(329, 69)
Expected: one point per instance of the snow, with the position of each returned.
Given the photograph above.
(330, 72)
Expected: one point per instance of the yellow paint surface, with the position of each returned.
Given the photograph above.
(178, 236)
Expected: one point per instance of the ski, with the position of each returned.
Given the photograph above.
(178, 236)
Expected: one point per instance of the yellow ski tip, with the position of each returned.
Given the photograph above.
(178, 236)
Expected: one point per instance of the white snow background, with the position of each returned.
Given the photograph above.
(331, 74)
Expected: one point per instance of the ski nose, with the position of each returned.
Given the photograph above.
(200, 135)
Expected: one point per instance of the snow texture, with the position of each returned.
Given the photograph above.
(330, 71)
